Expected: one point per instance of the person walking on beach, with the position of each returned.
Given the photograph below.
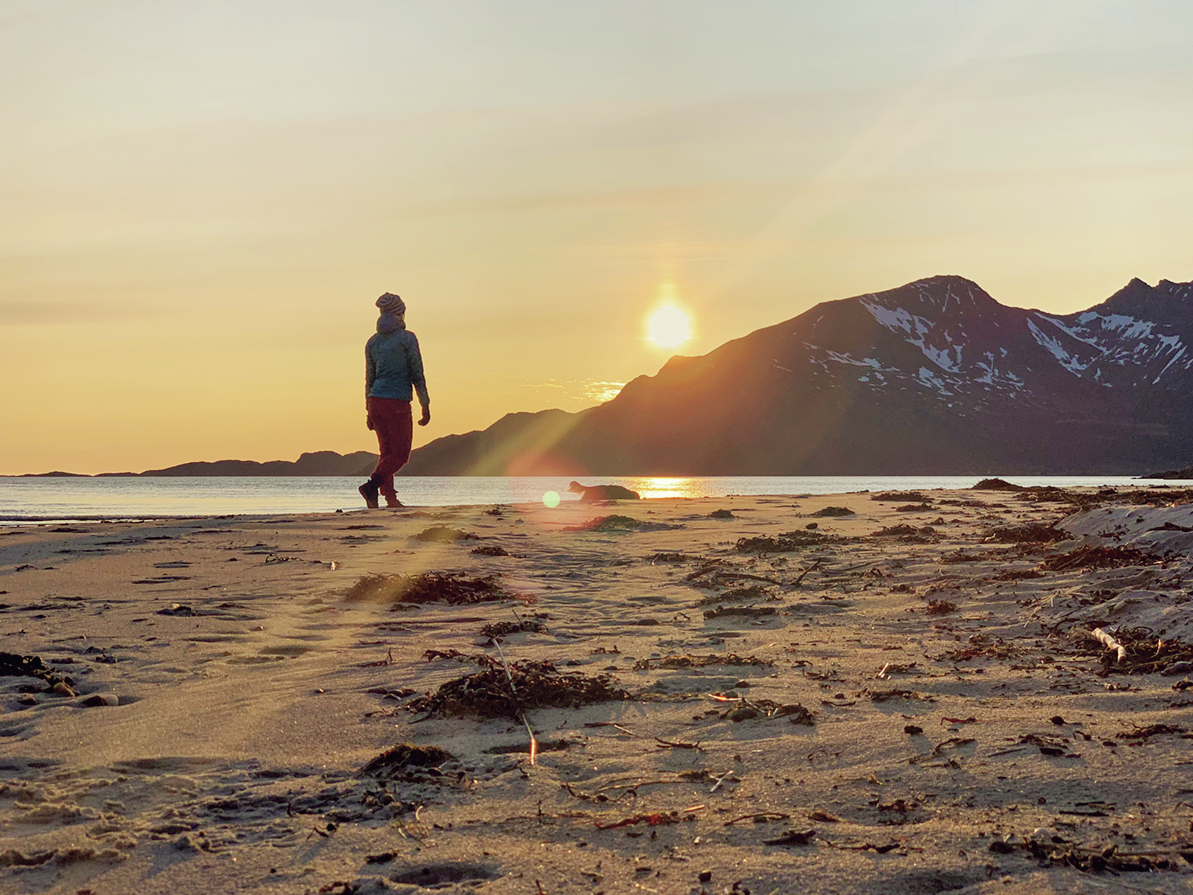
(393, 372)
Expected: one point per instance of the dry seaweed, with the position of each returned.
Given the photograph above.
(1138, 734)
(428, 587)
(442, 534)
(940, 607)
(786, 542)
(1059, 851)
(1018, 574)
(608, 523)
(669, 557)
(832, 512)
(749, 710)
(689, 661)
(746, 611)
(1032, 533)
(907, 533)
(902, 496)
(1091, 557)
(498, 630)
(886, 695)
(402, 759)
(720, 514)
(915, 508)
(736, 594)
(1143, 652)
(489, 550)
(492, 693)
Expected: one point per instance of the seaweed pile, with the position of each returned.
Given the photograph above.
(786, 542)
(429, 587)
(1031, 533)
(902, 496)
(405, 758)
(1142, 652)
(686, 661)
(489, 550)
(499, 630)
(609, 523)
(500, 692)
(1090, 557)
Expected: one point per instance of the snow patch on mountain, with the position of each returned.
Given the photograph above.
(927, 378)
(916, 330)
(1054, 347)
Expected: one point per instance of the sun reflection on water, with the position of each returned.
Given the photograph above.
(667, 487)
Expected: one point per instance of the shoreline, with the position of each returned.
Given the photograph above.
(893, 698)
(64, 502)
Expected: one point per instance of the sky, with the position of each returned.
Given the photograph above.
(200, 202)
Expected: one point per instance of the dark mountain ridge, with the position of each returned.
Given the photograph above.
(316, 463)
(934, 377)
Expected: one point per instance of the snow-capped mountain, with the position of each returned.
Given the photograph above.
(974, 348)
(932, 377)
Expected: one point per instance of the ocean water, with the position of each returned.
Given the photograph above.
(26, 500)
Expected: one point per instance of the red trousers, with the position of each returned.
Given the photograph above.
(394, 424)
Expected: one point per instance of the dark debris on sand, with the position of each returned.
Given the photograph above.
(489, 550)
(787, 542)
(741, 611)
(1058, 851)
(428, 587)
(907, 534)
(1146, 653)
(1091, 557)
(399, 761)
(15, 665)
(498, 630)
(608, 523)
(1031, 533)
(689, 661)
(495, 693)
(438, 534)
(902, 496)
(830, 512)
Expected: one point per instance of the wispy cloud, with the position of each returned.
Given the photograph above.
(578, 390)
(19, 312)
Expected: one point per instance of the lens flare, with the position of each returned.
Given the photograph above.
(551, 500)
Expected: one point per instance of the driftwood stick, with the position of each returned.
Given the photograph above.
(804, 574)
(534, 743)
(1110, 643)
(747, 576)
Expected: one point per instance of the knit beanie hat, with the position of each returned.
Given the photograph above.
(391, 304)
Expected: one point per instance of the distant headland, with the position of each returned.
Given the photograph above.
(316, 463)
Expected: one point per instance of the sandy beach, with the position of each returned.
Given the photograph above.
(838, 694)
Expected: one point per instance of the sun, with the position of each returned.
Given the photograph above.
(669, 327)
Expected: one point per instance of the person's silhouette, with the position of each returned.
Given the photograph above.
(393, 373)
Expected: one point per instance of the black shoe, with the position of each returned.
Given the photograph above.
(369, 492)
(393, 503)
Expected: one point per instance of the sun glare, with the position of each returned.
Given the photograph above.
(669, 327)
